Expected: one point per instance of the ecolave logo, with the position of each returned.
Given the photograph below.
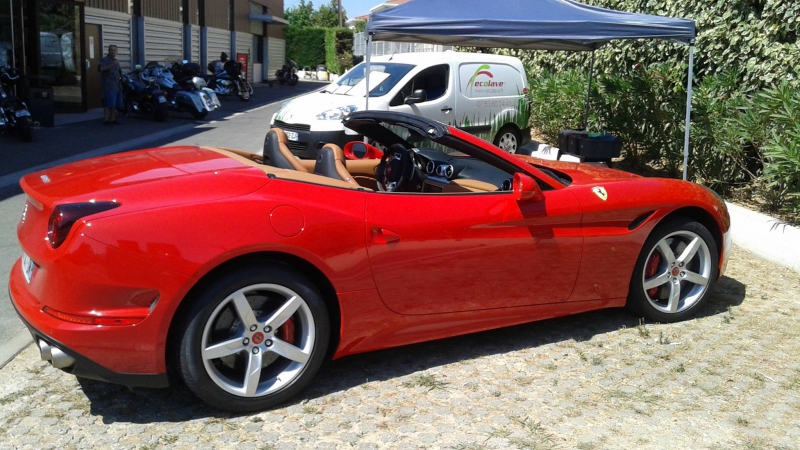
(483, 84)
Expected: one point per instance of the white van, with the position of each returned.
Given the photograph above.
(479, 93)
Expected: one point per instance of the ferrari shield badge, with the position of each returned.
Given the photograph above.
(600, 191)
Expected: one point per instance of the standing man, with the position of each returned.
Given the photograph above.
(112, 94)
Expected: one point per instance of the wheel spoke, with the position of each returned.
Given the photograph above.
(690, 251)
(253, 374)
(656, 281)
(244, 310)
(667, 252)
(289, 351)
(284, 312)
(223, 349)
(695, 278)
(674, 296)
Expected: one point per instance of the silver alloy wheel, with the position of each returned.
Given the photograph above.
(241, 348)
(508, 142)
(683, 273)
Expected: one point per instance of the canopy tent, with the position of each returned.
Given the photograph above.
(531, 24)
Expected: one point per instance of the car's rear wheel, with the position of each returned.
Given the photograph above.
(254, 338)
(673, 275)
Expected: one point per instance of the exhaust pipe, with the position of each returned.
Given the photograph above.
(57, 358)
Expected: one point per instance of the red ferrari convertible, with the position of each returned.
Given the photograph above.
(242, 273)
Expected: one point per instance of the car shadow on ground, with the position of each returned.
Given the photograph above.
(177, 404)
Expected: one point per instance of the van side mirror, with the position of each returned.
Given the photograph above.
(418, 96)
(361, 150)
(526, 188)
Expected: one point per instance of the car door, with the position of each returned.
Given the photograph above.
(439, 253)
(437, 81)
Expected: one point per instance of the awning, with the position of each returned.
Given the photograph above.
(269, 19)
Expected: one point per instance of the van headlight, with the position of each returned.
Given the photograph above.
(337, 113)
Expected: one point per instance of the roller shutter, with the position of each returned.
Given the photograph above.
(196, 44)
(218, 41)
(276, 55)
(244, 44)
(163, 40)
(116, 29)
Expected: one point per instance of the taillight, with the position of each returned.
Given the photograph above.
(64, 217)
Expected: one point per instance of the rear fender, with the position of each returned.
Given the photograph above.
(189, 100)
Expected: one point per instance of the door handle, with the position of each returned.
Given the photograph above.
(446, 109)
(384, 236)
(87, 64)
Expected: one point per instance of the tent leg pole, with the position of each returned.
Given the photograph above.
(588, 94)
(366, 75)
(688, 113)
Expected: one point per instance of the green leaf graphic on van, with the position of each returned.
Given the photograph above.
(470, 83)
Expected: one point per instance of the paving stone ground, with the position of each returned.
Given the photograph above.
(729, 379)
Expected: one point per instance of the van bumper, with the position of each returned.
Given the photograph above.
(309, 142)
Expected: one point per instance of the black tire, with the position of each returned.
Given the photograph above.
(24, 129)
(653, 304)
(293, 80)
(208, 309)
(199, 115)
(161, 111)
(244, 91)
(504, 138)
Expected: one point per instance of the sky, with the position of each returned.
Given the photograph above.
(353, 8)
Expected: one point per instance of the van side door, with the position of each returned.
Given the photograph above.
(438, 102)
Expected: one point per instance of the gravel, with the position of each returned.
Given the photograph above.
(727, 379)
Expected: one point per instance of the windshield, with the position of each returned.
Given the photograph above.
(391, 72)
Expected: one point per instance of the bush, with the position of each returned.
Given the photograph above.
(306, 46)
(557, 102)
(338, 49)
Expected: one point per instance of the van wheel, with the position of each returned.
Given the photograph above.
(508, 139)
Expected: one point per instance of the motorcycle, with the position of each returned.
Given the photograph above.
(184, 89)
(288, 74)
(144, 98)
(14, 114)
(229, 80)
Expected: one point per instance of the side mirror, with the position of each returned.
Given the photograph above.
(361, 150)
(185, 61)
(418, 96)
(137, 67)
(526, 188)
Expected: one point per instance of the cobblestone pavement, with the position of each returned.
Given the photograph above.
(728, 379)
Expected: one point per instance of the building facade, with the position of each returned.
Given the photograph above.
(58, 44)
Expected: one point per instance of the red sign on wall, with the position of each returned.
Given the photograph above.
(242, 58)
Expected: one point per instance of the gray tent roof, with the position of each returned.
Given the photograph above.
(529, 24)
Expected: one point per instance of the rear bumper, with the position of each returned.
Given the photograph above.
(72, 362)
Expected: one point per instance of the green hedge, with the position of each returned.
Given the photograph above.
(306, 46)
(338, 49)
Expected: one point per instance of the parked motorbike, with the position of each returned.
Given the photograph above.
(141, 97)
(14, 114)
(186, 91)
(229, 80)
(288, 74)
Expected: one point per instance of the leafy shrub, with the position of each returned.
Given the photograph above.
(557, 102)
(306, 46)
(338, 49)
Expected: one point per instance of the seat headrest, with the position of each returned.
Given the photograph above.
(281, 135)
(337, 152)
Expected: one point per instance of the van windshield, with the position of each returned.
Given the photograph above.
(391, 72)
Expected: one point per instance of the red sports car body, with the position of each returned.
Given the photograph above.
(242, 274)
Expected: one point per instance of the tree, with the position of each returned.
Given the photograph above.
(300, 16)
(328, 16)
(361, 26)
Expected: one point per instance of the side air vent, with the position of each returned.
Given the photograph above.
(639, 220)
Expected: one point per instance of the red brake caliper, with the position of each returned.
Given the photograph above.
(286, 331)
(650, 271)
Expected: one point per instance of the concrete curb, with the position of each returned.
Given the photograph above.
(765, 236)
(12, 347)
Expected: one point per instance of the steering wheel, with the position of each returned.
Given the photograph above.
(395, 169)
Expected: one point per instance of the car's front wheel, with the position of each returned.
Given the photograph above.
(675, 270)
(254, 338)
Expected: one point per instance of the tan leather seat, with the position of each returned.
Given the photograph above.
(277, 153)
(330, 163)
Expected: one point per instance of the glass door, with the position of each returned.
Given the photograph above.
(60, 53)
